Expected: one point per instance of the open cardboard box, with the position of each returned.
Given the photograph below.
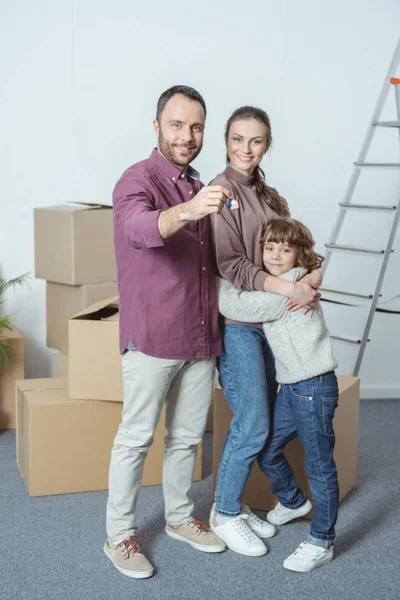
(95, 371)
(65, 301)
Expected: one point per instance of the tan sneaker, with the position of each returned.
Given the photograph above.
(197, 534)
(127, 557)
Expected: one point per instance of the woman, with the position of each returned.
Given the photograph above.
(246, 367)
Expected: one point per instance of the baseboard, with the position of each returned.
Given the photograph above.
(379, 392)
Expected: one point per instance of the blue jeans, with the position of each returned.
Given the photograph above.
(247, 376)
(306, 409)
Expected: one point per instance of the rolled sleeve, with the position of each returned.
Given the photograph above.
(135, 212)
(259, 280)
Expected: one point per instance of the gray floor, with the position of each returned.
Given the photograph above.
(51, 548)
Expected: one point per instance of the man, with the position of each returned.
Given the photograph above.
(169, 334)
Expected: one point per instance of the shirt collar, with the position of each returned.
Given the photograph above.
(170, 170)
(247, 181)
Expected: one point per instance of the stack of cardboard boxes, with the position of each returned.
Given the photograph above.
(66, 426)
(74, 253)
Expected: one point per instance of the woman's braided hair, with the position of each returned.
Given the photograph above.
(269, 194)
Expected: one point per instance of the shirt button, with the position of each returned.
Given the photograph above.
(202, 322)
(201, 242)
(182, 176)
(173, 179)
(204, 268)
(190, 192)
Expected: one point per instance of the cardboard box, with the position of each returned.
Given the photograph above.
(257, 493)
(30, 385)
(65, 301)
(12, 372)
(95, 371)
(210, 418)
(98, 375)
(60, 364)
(74, 244)
(64, 445)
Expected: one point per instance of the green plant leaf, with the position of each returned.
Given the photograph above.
(5, 322)
(6, 357)
(4, 285)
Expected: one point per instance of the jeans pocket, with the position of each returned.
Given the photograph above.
(329, 405)
(302, 390)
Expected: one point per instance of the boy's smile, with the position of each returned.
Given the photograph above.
(278, 258)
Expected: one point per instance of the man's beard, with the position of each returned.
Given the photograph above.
(168, 151)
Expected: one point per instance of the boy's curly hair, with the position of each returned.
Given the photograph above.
(297, 236)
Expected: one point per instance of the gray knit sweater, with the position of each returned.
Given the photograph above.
(301, 343)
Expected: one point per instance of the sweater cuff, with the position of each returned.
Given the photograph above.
(259, 281)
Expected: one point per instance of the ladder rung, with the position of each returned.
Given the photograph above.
(346, 338)
(387, 124)
(368, 206)
(342, 293)
(364, 164)
(353, 249)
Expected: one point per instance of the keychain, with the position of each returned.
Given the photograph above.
(232, 204)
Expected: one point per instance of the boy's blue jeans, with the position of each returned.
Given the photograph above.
(247, 376)
(306, 409)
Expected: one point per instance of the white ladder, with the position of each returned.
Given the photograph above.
(346, 204)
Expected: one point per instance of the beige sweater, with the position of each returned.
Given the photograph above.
(236, 232)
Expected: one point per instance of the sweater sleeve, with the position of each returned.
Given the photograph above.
(253, 307)
(230, 254)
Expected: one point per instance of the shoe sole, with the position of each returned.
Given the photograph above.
(248, 553)
(201, 547)
(300, 570)
(300, 512)
(133, 574)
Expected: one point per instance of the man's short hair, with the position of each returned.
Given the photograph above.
(183, 90)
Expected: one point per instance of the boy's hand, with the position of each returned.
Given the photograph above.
(290, 305)
(314, 279)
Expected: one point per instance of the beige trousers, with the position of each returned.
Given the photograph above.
(186, 387)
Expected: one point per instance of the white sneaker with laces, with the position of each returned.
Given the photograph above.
(308, 557)
(281, 515)
(238, 536)
(261, 528)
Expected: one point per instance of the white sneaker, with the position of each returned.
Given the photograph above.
(238, 536)
(261, 528)
(308, 557)
(281, 515)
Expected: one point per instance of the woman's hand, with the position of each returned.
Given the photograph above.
(314, 278)
(303, 296)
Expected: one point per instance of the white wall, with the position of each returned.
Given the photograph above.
(78, 93)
